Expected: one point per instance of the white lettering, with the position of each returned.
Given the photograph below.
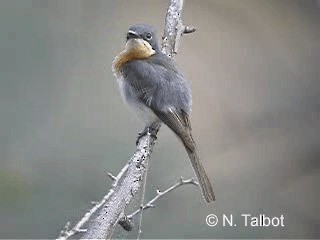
(229, 220)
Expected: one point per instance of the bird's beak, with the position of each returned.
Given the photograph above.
(132, 35)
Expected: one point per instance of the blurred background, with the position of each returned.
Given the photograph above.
(254, 68)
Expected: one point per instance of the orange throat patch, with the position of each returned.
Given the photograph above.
(135, 49)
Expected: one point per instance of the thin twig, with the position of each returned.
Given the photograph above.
(160, 194)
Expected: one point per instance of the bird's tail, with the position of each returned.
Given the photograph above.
(179, 123)
(203, 179)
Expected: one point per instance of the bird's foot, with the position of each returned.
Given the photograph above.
(152, 130)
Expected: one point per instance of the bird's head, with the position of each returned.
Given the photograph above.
(141, 43)
(141, 39)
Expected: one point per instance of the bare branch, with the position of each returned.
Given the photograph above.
(160, 194)
(174, 28)
(67, 232)
(102, 226)
(126, 221)
(128, 181)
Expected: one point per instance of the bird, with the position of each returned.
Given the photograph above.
(151, 84)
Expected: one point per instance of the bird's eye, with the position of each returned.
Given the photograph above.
(127, 36)
(149, 36)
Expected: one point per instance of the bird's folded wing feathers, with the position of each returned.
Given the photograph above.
(157, 83)
(179, 123)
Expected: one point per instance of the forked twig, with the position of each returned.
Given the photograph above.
(126, 223)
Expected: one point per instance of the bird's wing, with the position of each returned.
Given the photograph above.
(158, 84)
(179, 123)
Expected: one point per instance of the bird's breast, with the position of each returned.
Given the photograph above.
(136, 49)
(131, 99)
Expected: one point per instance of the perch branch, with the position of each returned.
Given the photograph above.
(102, 226)
(67, 232)
(128, 181)
(174, 28)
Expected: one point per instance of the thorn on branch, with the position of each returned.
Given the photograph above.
(111, 176)
(189, 29)
(181, 179)
(160, 194)
(149, 206)
(65, 229)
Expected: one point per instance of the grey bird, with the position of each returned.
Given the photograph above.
(151, 84)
